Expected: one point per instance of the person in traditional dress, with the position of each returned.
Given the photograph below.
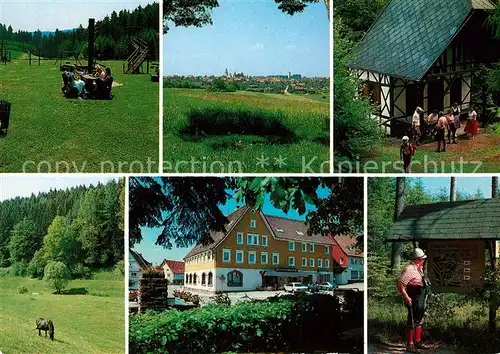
(406, 153)
(413, 287)
(441, 126)
(471, 127)
(452, 130)
(415, 125)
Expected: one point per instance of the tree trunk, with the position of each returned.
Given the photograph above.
(492, 313)
(327, 4)
(399, 205)
(453, 189)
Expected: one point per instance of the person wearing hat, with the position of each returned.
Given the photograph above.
(415, 125)
(406, 153)
(412, 286)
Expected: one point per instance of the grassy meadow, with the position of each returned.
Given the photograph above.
(50, 132)
(90, 323)
(306, 116)
(462, 328)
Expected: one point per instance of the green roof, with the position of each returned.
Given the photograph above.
(472, 219)
(410, 35)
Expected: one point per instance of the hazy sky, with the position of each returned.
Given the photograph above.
(30, 15)
(466, 184)
(156, 254)
(24, 186)
(252, 37)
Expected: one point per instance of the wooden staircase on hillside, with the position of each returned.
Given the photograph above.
(138, 57)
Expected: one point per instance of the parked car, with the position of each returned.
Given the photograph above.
(313, 287)
(326, 286)
(295, 287)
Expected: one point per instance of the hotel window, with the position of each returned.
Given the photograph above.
(253, 224)
(252, 256)
(252, 239)
(327, 263)
(291, 261)
(320, 263)
(239, 256)
(263, 258)
(354, 274)
(239, 238)
(226, 255)
(327, 249)
(311, 247)
(291, 246)
(276, 258)
(311, 262)
(264, 240)
(304, 247)
(304, 262)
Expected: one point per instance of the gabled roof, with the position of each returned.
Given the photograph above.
(293, 230)
(472, 219)
(410, 35)
(281, 228)
(176, 267)
(218, 236)
(140, 259)
(348, 244)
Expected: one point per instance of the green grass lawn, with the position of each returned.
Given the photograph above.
(463, 327)
(306, 116)
(91, 323)
(50, 132)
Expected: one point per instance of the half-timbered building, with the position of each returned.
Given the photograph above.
(424, 53)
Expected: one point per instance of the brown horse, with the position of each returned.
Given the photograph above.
(43, 324)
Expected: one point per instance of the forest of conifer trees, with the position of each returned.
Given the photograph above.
(113, 35)
(81, 227)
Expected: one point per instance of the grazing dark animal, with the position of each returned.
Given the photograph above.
(42, 324)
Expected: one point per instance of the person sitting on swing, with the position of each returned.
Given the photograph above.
(412, 286)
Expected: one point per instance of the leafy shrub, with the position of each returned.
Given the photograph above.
(79, 271)
(222, 299)
(37, 265)
(244, 121)
(120, 267)
(300, 323)
(356, 132)
(19, 269)
(56, 275)
(152, 273)
(22, 290)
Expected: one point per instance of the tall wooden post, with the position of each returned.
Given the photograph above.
(91, 45)
(399, 205)
(453, 189)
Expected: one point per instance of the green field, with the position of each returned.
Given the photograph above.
(51, 133)
(91, 323)
(307, 117)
